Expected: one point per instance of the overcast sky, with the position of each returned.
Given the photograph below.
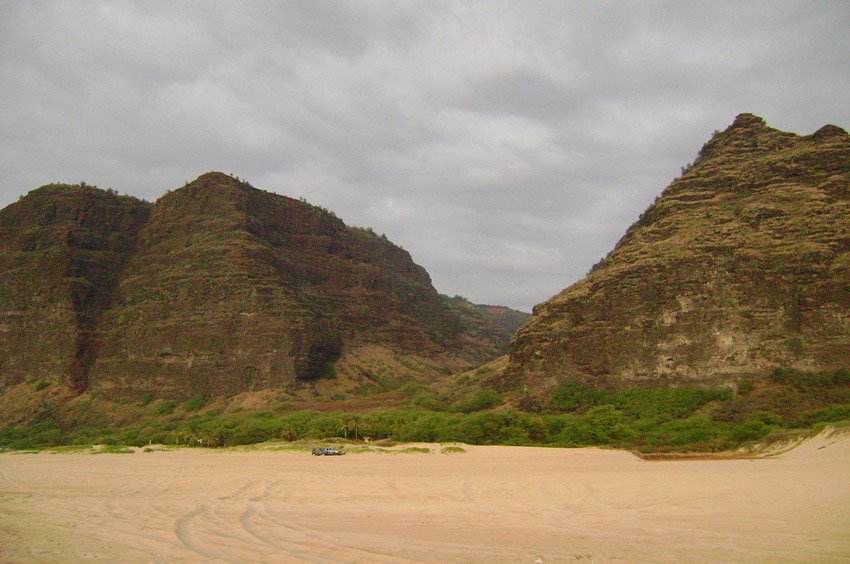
(506, 145)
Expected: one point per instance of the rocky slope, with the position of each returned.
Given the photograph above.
(487, 329)
(62, 249)
(217, 288)
(741, 265)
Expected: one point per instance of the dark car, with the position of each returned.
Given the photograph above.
(327, 451)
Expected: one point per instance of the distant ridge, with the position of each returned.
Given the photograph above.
(487, 329)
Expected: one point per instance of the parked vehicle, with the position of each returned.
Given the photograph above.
(327, 451)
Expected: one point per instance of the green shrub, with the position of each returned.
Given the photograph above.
(195, 403)
(478, 400)
(147, 398)
(692, 432)
(411, 389)
(802, 380)
(750, 430)
(165, 407)
(428, 401)
(572, 396)
(667, 403)
(607, 424)
(831, 414)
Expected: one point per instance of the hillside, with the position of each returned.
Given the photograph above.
(740, 266)
(62, 249)
(487, 329)
(216, 289)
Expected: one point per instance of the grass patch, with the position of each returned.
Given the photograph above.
(452, 450)
(114, 449)
(70, 449)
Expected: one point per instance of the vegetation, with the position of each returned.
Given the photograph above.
(195, 403)
(644, 419)
(115, 449)
(165, 407)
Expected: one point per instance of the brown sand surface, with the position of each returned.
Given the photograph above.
(496, 504)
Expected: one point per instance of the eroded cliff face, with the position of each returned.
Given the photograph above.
(217, 288)
(234, 289)
(62, 250)
(742, 264)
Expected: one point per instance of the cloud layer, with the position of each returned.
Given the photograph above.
(506, 145)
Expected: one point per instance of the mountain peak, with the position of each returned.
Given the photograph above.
(749, 134)
(828, 131)
(217, 177)
(750, 121)
(218, 180)
(210, 186)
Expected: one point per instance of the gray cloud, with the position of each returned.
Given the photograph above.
(506, 145)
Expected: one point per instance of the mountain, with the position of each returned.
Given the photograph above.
(740, 266)
(487, 329)
(217, 288)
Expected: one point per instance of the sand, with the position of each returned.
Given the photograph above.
(493, 504)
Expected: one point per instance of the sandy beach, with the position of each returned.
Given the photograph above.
(496, 504)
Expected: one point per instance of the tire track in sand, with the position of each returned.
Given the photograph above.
(222, 528)
(314, 545)
(182, 530)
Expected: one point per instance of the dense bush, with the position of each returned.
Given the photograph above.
(478, 400)
(572, 396)
(195, 403)
(636, 402)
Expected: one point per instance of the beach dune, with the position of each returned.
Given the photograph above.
(502, 504)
